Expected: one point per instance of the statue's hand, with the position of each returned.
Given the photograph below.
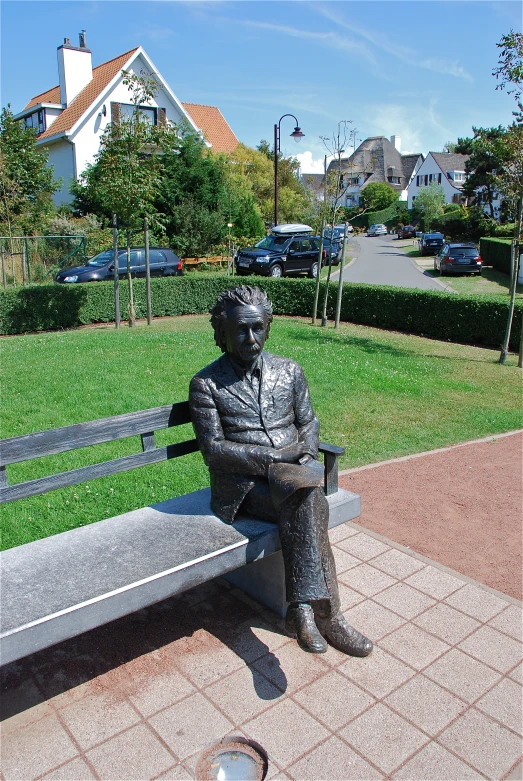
(301, 452)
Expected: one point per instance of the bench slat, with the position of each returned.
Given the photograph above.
(95, 432)
(85, 473)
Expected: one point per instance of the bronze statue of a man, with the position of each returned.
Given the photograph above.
(258, 434)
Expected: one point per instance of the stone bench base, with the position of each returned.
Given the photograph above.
(61, 586)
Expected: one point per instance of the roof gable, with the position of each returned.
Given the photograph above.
(449, 161)
(210, 120)
(102, 77)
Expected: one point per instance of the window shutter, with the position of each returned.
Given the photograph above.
(439, 178)
(115, 113)
(162, 118)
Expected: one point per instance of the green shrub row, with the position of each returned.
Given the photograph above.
(465, 319)
(386, 216)
(496, 252)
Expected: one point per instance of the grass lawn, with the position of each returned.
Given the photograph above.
(379, 394)
(491, 281)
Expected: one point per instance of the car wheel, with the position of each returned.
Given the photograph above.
(435, 266)
(313, 271)
(276, 271)
(441, 271)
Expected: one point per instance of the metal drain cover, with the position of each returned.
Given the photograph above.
(232, 759)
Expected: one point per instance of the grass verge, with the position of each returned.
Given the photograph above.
(378, 394)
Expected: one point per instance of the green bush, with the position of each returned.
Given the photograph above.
(388, 216)
(496, 253)
(466, 319)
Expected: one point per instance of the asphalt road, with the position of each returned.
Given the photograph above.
(381, 261)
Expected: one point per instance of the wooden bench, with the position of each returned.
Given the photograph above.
(58, 587)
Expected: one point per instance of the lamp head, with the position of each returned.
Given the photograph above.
(297, 134)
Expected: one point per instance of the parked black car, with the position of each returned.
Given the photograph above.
(431, 243)
(457, 258)
(335, 249)
(288, 251)
(163, 263)
(407, 232)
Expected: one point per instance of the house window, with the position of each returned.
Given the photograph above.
(426, 180)
(394, 180)
(459, 176)
(147, 113)
(36, 120)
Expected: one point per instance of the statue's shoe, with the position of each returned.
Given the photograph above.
(341, 635)
(300, 623)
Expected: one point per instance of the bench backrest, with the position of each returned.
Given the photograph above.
(95, 432)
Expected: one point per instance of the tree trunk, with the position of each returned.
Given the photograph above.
(317, 287)
(116, 278)
(514, 262)
(147, 272)
(340, 281)
(326, 295)
(132, 318)
(4, 276)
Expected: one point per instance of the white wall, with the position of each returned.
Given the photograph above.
(75, 71)
(429, 166)
(61, 158)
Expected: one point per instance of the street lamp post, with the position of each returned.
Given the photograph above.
(297, 135)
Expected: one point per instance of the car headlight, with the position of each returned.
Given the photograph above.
(74, 278)
(263, 259)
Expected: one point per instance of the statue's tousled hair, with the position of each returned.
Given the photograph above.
(238, 296)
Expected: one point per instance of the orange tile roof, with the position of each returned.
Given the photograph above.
(102, 76)
(212, 123)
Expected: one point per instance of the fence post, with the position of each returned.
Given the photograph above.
(116, 278)
(147, 271)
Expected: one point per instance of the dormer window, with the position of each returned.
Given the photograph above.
(459, 176)
(36, 120)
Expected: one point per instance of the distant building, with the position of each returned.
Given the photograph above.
(314, 183)
(377, 160)
(444, 168)
(71, 117)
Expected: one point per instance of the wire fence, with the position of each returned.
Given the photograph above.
(29, 259)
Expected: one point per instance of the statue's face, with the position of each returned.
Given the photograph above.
(245, 332)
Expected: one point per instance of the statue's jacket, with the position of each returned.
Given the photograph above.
(238, 430)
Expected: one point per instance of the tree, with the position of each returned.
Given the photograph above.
(487, 156)
(27, 183)
(294, 200)
(430, 202)
(510, 68)
(377, 196)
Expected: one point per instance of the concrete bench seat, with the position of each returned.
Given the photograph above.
(58, 587)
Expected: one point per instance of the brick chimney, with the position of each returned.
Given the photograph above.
(75, 69)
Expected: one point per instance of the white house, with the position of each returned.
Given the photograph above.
(377, 160)
(71, 117)
(444, 168)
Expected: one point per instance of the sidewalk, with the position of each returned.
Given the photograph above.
(439, 697)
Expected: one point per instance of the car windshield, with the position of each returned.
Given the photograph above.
(273, 242)
(463, 252)
(101, 259)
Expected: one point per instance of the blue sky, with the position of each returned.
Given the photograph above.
(417, 69)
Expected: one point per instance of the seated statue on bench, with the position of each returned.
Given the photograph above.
(258, 434)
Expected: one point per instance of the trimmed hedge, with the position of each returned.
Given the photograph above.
(385, 216)
(496, 252)
(477, 320)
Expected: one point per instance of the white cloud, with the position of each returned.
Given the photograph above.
(308, 164)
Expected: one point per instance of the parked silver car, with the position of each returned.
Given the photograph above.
(377, 230)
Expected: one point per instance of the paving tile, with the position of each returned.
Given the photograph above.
(425, 704)
(243, 694)
(135, 754)
(504, 703)
(378, 673)
(434, 763)
(487, 746)
(332, 760)
(76, 770)
(333, 699)
(204, 659)
(21, 704)
(341, 532)
(289, 668)
(403, 599)
(343, 560)
(447, 623)
(373, 620)
(190, 725)
(476, 602)
(348, 597)
(516, 774)
(363, 546)
(397, 564)
(176, 773)
(414, 646)
(491, 647)
(35, 749)
(274, 728)
(253, 639)
(366, 579)
(517, 673)
(152, 687)
(434, 582)
(510, 621)
(383, 737)
(98, 717)
(462, 675)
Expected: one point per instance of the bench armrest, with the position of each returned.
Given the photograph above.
(330, 458)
